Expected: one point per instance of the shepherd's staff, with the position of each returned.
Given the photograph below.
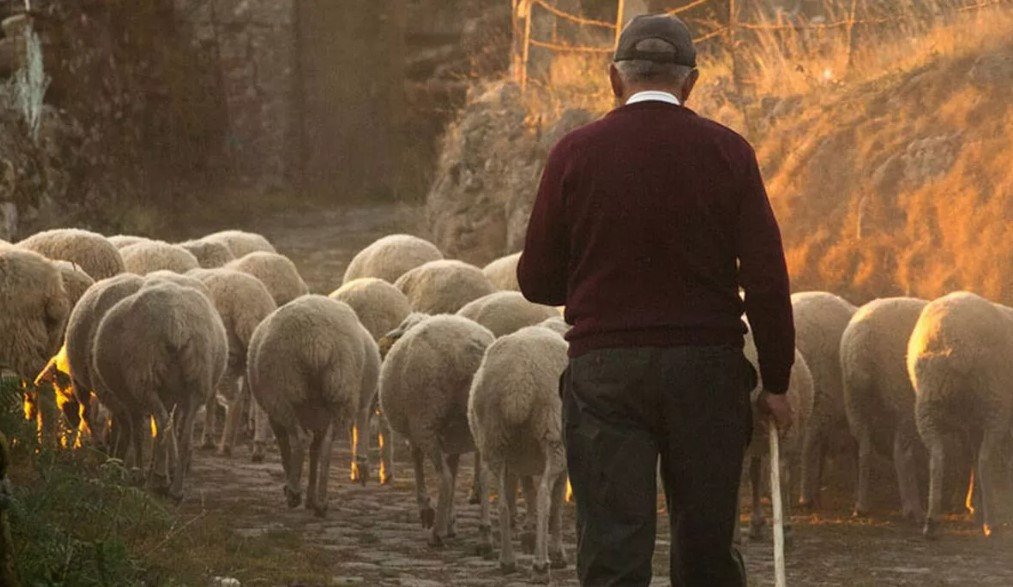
(775, 500)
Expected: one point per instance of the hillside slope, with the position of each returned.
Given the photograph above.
(902, 185)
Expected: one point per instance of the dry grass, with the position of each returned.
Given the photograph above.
(889, 177)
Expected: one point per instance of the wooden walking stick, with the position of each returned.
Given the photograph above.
(775, 500)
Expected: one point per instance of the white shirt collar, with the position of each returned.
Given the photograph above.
(653, 95)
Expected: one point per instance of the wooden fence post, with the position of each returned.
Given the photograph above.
(526, 9)
(851, 33)
(620, 14)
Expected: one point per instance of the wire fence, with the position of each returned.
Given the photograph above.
(859, 14)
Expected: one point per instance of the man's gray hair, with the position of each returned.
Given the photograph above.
(637, 71)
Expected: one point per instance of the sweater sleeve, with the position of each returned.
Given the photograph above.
(763, 275)
(542, 269)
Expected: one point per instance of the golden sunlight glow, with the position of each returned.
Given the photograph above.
(383, 466)
(355, 473)
(969, 500)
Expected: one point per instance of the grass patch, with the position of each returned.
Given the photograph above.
(77, 521)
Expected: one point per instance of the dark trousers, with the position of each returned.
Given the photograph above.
(622, 409)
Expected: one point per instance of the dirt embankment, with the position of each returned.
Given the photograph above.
(899, 185)
(902, 185)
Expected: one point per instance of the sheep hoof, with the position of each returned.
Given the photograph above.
(473, 498)
(557, 560)
(859, 512)
(930, 529)
(225, 451)
(756, 530)
(293, 498)
(257, 457)
(540, 574)
(507, 567)
(528, 542)
(207, 444)
(988, 530)
(911, 516)
(435, 541)
(428, 517)
(320, 511)
(807, 505)
(387, 479)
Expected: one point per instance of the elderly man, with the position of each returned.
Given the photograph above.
(646, 224)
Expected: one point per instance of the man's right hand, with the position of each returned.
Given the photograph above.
(776, 406)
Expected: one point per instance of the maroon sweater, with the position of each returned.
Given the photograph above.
(646, 224)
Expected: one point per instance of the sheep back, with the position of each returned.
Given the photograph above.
(277, 272)
(426, 378)
(209, 254)
(34, 311)
(390, 257)
(87, 315)
(125, 240)
(514, 401)
(443, 287)
(503, 272)
(379, 305)
(241, 243)
(90, 251)
(504, 312)
(243, 302)
(164, 339)
(150, 256)
(75, 281)
(307, 362)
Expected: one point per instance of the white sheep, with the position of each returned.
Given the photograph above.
(800, 397)
(960, 362)
(242, 302)
(556, 324)
(277, 272)
(313, 367)
(75, 281)
(878, 397)
(504, 312)
(161, 352)
(820, 319)
(92, 252)
(79, 350)
(381, 307)
(443, 287)
(125, 240)
(515, 417)
(150, 256)
(424, 386)
(241, 243)
(209, 254)
(503, 272)
(391, 257)
(191, 281)
(34, 311)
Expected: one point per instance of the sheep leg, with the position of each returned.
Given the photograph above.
(864, 469)
(185, 450)
(158, 476)
(508, 488)
(207, 434)
(260, 436)
(485, 518)
(991, 446)
(530, 514)
(360, 445)
(326, 448)
(475, 494)
(311, 487)
(138, 431)
(386, 451)
(510, 496)
(554, 466)
(935, 487)
(233, 412)
(557, 553)
(453, 463)
(288, 463)
(812, 456)
(445, 498)
(907, 482)
(426, 513)
(786, 472)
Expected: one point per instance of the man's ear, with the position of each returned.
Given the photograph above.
(689, 84)
(618, 89)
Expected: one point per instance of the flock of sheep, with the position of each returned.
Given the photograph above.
(132, 337)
